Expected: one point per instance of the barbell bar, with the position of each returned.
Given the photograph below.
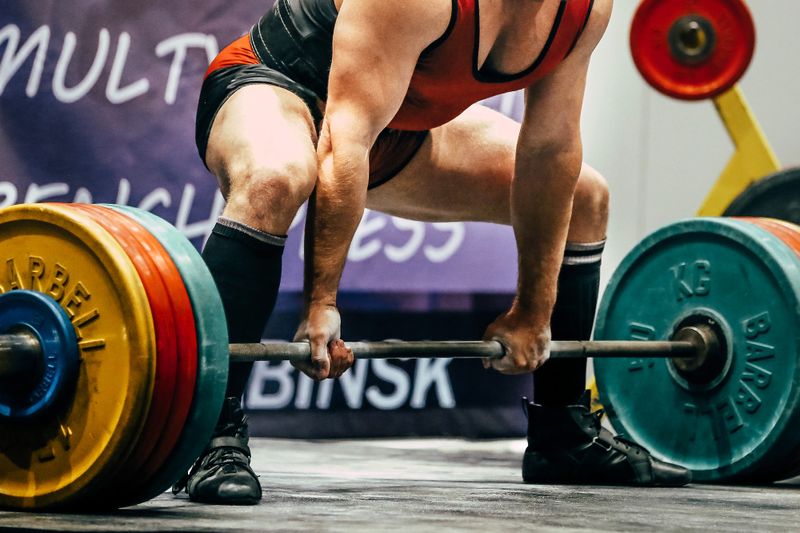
(21, 352)
(301, 351)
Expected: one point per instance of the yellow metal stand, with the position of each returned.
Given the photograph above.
(752, 160)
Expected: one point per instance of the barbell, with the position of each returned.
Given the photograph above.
(114, 352)
(22, 353)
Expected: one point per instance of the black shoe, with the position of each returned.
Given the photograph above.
(222, 475)
(568, 445)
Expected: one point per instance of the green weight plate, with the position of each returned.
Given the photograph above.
(786, 467)
(775, 196)
(212, 343)
(745, 282)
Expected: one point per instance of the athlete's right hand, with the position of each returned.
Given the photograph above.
(330, 357)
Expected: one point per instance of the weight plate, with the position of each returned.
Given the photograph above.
(692, 50)
(775, 196)
(56, 460)
(212, 341)
(186, 344)
(745, 282)
(787, 467)
(161, 307)
(22, 397)
(786, 224)
(785, 231)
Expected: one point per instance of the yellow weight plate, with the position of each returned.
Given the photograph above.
(59, 460)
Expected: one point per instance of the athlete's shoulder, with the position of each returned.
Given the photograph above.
(422, 11)
(597, 23)
(398, 21)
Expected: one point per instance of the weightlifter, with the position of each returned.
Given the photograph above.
(369, 103)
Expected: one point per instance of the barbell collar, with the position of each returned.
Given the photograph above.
(301, 351)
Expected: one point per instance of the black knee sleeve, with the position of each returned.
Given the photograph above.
(562, 382)
(246, 266)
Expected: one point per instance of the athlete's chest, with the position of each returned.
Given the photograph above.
(511, 34)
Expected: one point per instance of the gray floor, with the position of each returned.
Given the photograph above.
(434, 484)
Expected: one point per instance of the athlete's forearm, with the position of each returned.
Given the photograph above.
(541, 206)
(335, 211)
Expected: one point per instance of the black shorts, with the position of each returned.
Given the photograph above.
(238, 66)
(220, 85)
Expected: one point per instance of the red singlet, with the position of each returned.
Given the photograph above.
(446, 80)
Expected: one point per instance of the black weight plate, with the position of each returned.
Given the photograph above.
(775, 196)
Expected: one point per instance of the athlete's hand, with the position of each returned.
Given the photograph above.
(330, 357)
(527, 343)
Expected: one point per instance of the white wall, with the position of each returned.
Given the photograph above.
(661, 156)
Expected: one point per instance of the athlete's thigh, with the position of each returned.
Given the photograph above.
(260, 129)
(463, 171)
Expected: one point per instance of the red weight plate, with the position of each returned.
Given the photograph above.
(785, 231)
(158, 296)
(692, 49)
(791, 226)
(187, 343)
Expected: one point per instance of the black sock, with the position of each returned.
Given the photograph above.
(560, 383)
(246, 266)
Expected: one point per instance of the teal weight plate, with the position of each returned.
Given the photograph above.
(212, 343)
(746, 281)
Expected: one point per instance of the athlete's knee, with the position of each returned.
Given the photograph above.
(591, 195)
(270, 192)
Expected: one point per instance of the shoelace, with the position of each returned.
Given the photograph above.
(629, 444)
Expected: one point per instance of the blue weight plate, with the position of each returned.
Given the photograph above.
(26, 397)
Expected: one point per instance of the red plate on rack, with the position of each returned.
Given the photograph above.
(692, 49)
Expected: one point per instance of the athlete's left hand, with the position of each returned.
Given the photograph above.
(330, 357)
